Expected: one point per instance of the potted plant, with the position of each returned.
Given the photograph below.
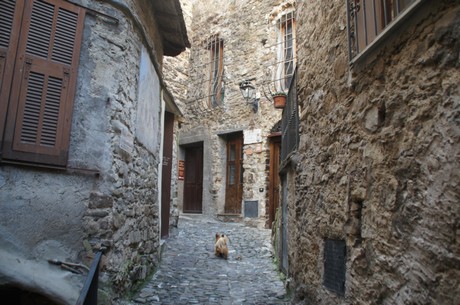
(279, 99)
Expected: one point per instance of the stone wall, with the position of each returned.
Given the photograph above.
(378, 159)
(108, 196)
(176, 75)
(249, 51)
(123, 206)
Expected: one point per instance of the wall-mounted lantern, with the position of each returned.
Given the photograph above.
(249, 94)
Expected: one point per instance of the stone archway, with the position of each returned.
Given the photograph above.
(14, 295)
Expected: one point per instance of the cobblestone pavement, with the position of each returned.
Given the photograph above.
(189, 273)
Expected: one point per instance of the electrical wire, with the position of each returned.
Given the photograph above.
(200, 70)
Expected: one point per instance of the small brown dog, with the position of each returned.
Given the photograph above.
(221, 246)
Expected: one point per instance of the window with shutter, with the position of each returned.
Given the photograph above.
(10, 18)
(43, 83)
(368, 20)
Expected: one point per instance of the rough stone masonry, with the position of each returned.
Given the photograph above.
(379, 159)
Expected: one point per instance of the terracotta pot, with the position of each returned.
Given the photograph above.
(279, 101)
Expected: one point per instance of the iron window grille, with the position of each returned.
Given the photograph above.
(286, 51)
(215, 45)
(370, 20)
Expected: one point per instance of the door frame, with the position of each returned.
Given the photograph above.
(274, 178)
(236, 206)
(166, 173)
(198, 209)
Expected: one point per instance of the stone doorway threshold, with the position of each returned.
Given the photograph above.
(229, 217)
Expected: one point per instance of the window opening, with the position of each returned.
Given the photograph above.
(368, 19)
(37, 86)
(216, 48)
(286, 52)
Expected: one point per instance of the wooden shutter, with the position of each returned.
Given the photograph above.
(45, 74)
(10, 22)
(372, 17)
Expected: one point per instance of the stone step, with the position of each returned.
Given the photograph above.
(230, 217)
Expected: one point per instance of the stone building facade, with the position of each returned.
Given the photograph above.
(104, 190)
(373, 186)
(232, 41)
(176, 73)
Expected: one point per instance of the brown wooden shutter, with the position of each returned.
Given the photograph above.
(372, 17)
(38, 124)
(10, 22)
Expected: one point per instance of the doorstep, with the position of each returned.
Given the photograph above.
(230, 217)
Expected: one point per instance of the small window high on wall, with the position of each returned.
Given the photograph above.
(215, 46)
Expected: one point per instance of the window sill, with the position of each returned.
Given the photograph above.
(69, 170)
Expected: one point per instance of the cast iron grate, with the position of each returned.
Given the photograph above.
(251, 208)
(334, 265)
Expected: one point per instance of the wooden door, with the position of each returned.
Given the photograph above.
(274, 179)
(166, 173)
(234, 181)
(193, 181)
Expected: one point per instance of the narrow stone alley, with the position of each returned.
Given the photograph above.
(190, 273)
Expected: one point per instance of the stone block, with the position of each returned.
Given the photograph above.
(98, 200)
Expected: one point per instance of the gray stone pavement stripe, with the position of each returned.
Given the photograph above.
(189, 273)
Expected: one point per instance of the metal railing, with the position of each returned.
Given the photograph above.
(88, 294)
